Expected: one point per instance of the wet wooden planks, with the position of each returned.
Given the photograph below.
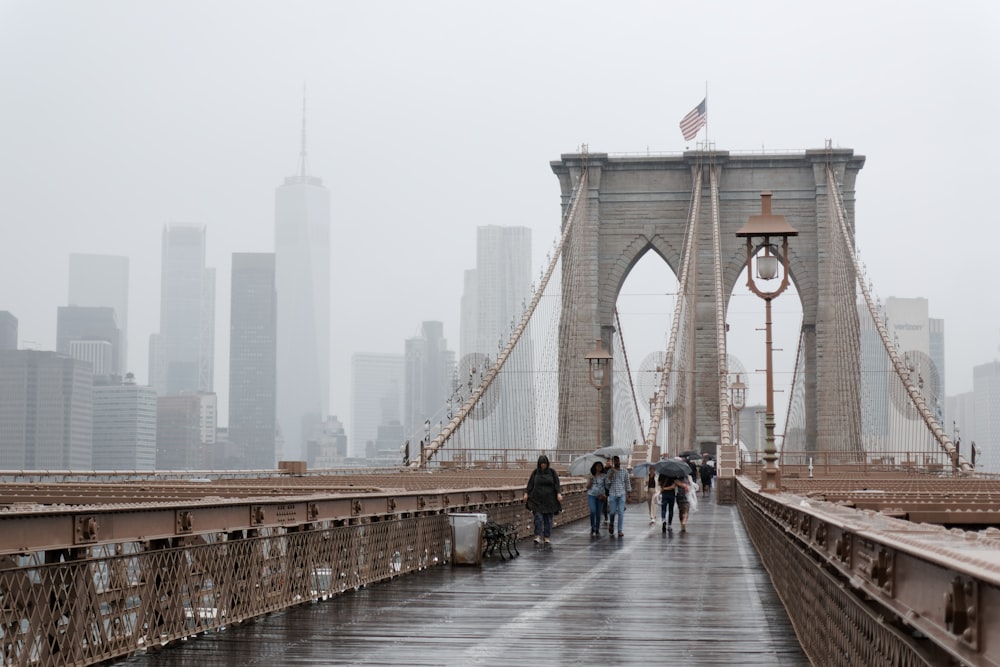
(699, 598)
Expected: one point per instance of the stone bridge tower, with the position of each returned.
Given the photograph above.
(636, 205)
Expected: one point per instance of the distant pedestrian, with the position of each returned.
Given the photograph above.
(619, 486)
(597, 498)
(668, 496)
(650, 492)
(543, 496)
(694, 471)
(707, 473)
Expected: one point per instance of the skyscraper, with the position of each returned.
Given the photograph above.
(302, 279)
(187, 311)
(496, 295)
(920, 340)
(252, 366)
(430, 367)
(102, 280)
(100, 354)
(178, 432)
(89, 324)
(46, 415)
(986, 430)
(124, 426)
(8, 331)
(376, 397)
(502, 285)
(185, 431)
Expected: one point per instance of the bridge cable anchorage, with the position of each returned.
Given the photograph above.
(477, 395)
(902, 372)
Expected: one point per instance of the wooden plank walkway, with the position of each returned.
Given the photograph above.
(698, 598)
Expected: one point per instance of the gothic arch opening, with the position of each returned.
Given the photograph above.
(645, 305)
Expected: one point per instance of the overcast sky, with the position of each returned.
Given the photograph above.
(428, 119)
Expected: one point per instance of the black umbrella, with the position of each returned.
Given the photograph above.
(690, 453)
(672, 468)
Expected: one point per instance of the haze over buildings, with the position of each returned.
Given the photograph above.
(418, 155)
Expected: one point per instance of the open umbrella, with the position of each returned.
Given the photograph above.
(672, 468)
(690, 453)
(610, 451)
(641, 469)
(580, 467)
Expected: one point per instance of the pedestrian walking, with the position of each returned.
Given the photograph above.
(684, 490)
(543, 498)
(604, 506)
(597, 498)
(707, 473)
(650, 492)
(619, 486)
(668, 496)
(694, 472)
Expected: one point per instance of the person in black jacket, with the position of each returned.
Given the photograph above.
(543, 497)
(707, 473)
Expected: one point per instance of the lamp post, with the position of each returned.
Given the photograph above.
(737, 401)
(759, 232)
(600, 362)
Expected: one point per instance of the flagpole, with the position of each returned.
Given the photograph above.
(706, 114)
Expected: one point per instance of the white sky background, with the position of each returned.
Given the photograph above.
(428, 119)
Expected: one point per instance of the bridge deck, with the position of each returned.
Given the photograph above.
(700, 598)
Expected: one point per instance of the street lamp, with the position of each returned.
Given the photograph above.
(758, 231)
(600, 366)
(737, 401)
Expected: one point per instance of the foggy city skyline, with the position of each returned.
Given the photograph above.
(426, 121)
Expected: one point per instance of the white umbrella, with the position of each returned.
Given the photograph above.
(581, 465)
(610, 451)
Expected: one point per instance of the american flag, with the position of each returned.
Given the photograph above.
(695, 120)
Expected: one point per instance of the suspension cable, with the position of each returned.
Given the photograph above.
(628, 372)
(957, 460)
(489, 376)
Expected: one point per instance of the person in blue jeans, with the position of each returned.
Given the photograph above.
(596, 496)
(668, 495)
(543, 496)
(619, 486)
